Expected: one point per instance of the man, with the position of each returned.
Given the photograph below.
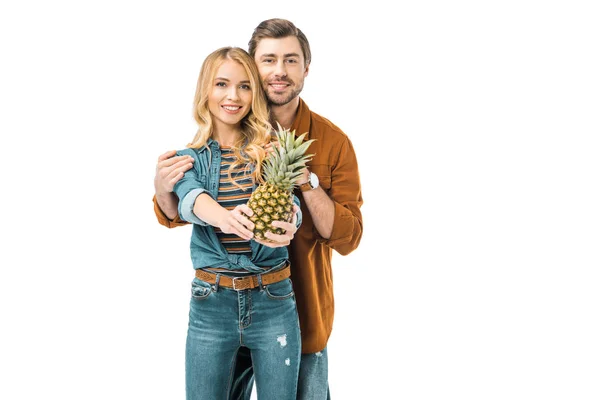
(330, 195)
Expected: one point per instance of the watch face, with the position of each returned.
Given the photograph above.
(314, 180)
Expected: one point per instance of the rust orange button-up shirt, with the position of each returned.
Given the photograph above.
(335, 164)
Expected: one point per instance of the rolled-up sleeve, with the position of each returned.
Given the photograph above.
(163, 219)
(186, 207)
(347, 197)
(189, 188)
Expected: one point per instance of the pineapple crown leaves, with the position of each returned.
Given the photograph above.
(284, 165)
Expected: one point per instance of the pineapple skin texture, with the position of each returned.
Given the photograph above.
(270, 204)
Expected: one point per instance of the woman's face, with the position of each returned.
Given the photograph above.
(230, 98)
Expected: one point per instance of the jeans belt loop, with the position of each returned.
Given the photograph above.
(260, 285)
(216, 285)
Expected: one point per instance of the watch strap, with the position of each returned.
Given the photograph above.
(305, 187)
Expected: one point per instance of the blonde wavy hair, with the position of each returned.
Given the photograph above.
(255, 127)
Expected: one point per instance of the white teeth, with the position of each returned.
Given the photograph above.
(231, 108)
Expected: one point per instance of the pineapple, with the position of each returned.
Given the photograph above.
(273, 199)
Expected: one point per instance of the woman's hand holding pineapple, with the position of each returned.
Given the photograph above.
(284, 239)
(236, 221)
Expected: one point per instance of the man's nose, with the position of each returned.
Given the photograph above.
(280, 69)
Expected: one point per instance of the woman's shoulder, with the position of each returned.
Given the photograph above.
(190, 152)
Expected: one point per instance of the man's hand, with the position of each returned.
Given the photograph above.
(285, 239)
(305, 176)
(169, 170)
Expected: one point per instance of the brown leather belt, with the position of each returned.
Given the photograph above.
(244, 282)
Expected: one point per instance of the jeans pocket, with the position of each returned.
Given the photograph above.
(280, 290)
(200, 289)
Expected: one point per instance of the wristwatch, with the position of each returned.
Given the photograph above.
(313, 183)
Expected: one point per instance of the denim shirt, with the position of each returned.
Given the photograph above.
(205, 248)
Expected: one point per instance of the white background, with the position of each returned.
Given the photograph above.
(476, 127)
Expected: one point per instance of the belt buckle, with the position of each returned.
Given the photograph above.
(237, 279)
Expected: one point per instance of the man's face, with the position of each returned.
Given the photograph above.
(281, 66)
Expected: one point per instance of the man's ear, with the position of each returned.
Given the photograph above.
(306, 70)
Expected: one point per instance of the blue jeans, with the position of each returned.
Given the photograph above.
(312, 381)
(222, 320)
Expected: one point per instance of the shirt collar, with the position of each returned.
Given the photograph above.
(209, 143)
(302, 121)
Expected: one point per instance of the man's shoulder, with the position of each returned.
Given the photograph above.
(322, 125)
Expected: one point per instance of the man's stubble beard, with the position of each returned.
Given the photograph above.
(277, 101)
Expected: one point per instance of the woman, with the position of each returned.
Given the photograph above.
(242, 294)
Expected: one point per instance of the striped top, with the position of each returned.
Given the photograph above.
(230, 196)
